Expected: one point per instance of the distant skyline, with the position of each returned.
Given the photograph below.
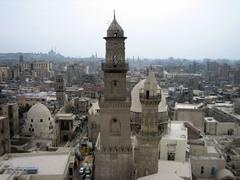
(192, 29)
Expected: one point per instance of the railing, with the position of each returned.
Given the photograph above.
(150, 94)
(113, 67)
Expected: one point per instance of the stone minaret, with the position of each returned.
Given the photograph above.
(60, 90)
(147, 148)
(113, 147)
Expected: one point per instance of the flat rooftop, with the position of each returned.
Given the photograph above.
(50, 163)
(210, 119)
(176, 130)
(173, 170)
(65, 116)
(187, 106)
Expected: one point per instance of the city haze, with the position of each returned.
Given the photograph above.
(190, 29)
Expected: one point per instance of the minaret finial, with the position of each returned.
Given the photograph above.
(114, 14)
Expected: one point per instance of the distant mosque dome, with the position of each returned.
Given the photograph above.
(39, 121)
(136, 105)
(115, 30)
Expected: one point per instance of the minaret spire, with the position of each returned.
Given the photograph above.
(114, 17)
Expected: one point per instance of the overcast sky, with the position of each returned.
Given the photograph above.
(155, 28)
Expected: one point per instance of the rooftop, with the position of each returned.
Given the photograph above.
(65, 116)
(176, 130)
(210, 119)
(40, 161)
(187, 106)
(173, 170)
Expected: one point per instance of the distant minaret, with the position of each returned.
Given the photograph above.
(60, 90)
(147, 149)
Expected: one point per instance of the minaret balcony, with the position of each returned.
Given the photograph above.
(150, 96)
(123, 67)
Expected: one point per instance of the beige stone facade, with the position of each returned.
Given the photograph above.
(4, 135)
(5, 73)
(114, 158)
(60, 90)
(10, 110)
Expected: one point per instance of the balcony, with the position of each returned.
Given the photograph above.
(115, 67)
(150, 95)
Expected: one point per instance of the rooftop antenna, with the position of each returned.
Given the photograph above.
(114, 17)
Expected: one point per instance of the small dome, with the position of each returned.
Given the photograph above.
(136, 105)
(39, 121)
(115, 30)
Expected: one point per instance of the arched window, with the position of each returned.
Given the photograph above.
(115, 127)
(202, 170)
(230, 132)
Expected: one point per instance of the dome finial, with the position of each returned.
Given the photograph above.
(114, 15)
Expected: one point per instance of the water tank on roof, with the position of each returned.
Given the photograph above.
(30, 170)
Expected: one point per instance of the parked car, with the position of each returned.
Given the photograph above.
(88, 177)
(81, 171)
(87, 170)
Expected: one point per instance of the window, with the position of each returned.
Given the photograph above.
(115, 127)
(115, 60)
(32, 129)
(70, 171)
(41, 120)
(31, 120)
(30, 125)
(114, 82)
(147, 94)
(115, 34)
(230, 132)
(49, 118)
(213, 171)
(171, 156)
(29, 129)
(202, 170)
(65, 126)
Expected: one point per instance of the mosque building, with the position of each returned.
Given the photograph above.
(129, 132)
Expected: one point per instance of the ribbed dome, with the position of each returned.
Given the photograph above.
(115, 30)
(136, 105)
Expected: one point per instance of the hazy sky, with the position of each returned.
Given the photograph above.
(155, 28)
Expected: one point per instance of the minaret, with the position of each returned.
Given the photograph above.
(60, 90)
(147, 150)
(115, 67)
(113, 147)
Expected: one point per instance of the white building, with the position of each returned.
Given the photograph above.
(214, 127)
(192, 113)
(37, 166)
(171, 170)
(173, 145)
(206, 160)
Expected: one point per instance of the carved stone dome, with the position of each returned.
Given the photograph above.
(39, 121)
(115, 30)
